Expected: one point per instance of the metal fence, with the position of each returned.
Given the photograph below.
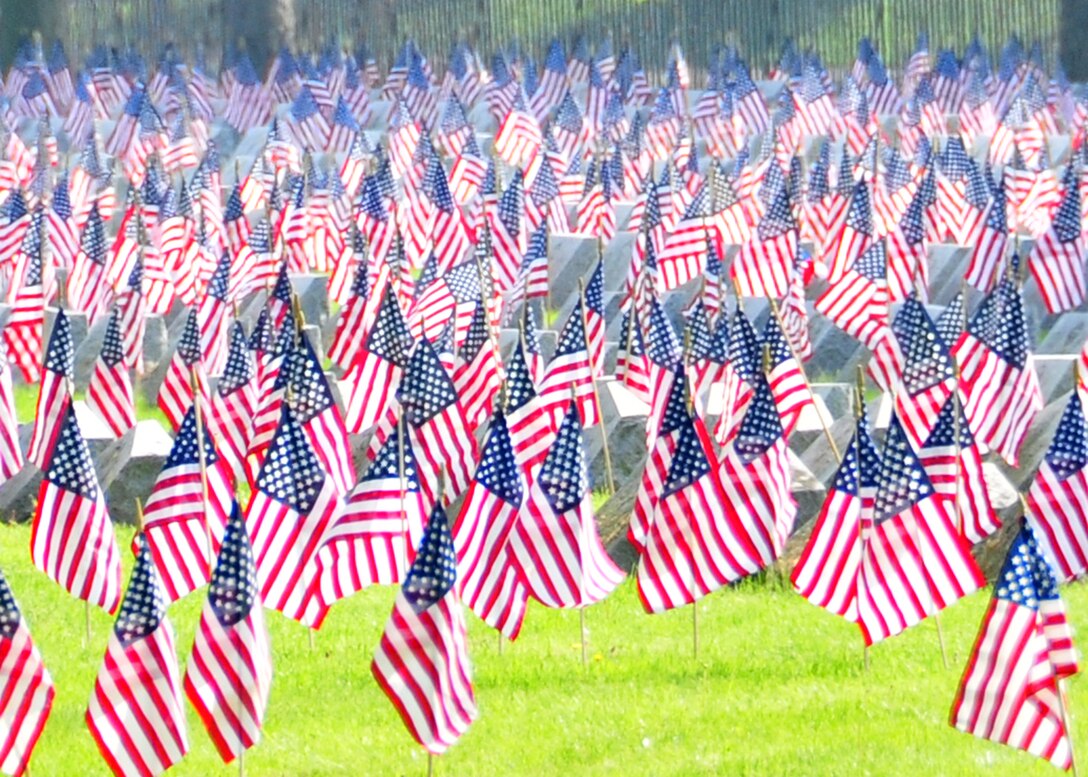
(757, 27)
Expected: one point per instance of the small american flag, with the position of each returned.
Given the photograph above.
(954, 466)
(176, 393)
(556, 545)
(490, 584)
(436, 420)
(109, 392)
(136, 713)
(662, 435)
(310, 398)
(762, 268)
(689, 543)
(25, 687)
(827, 571)
(571, 370)
(997, 372)
(55, 393)
(293, 505)
(1057, 259)
(229, 674)
(1060, 489)
(422, 660)
(755, 475)
(531, 430)
(929, 375)
(1009, 692)
(374, 539)
(378, 366)
(914, 562)
(11, 454)
(235, 403)
(186, 511)
(72, 538)
(23, 330)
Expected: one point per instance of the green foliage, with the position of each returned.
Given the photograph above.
(778, 688)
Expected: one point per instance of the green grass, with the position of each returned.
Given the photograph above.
(26, 404)
(778, 689)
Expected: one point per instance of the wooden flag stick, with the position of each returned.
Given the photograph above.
(859, 411)
(402, 486)
(202, 457)
(430, 764)
(808, 385)
(959, 449)
(689, 538)
(596, 392)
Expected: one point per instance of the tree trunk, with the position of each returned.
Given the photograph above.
(20, 20)
(259, 28)
(1072, 22)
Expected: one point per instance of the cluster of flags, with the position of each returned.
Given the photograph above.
(826, 193)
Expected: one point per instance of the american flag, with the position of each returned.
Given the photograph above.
(1009, 692)
(571, 370)
(913, 561)
(136, 713)
(312, 406)
(856, 234)
(555, 543)
(55, 392)
(235, 403)
(177, 391)
(519, 136)
(1057, 497)
(1057, 259)
(87, 283)
(449, 240)
(476, 375)
(740, 377)
(762, 268)
(663, 432)
(373, 540)
(929, 375)
(23, 329)
(11, 454)
(308, 125)
(954, 465)
(421, 662)
(827, 570)
(25, 687)
(858, 301)
(907, 253)
(187, 510)
(436, 419)
(133, 306)
(294, 503)
(379, 364)
(990, 250)
(109, 392)
(997, 372)
(690, 544)
(553, 84)
(490, 584)
(531, 430)
(786, 376)
(755, 475)
(569, 129)
(229, 673)
(508, 233)
(683, 255)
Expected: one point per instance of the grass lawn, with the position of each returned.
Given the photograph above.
(778, 689)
